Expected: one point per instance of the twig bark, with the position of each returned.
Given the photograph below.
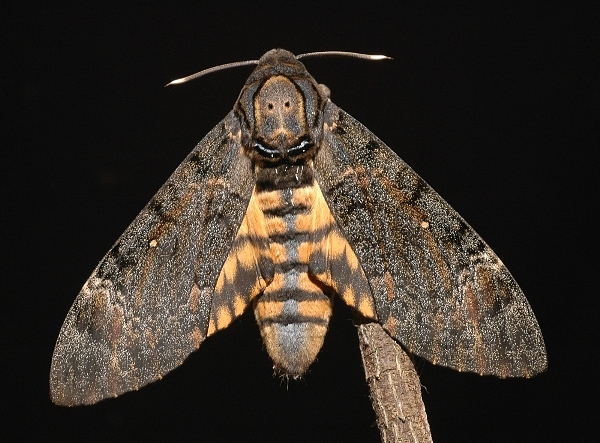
(395, 387)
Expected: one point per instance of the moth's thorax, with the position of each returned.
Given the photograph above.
(293, 311)
(280, 111)
(279, 114)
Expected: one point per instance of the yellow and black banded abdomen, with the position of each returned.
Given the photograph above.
(290, 258)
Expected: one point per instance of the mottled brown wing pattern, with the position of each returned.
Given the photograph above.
(146, 306)
(438, 288)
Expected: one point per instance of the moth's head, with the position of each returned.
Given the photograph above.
(281, 109)
(281, 105)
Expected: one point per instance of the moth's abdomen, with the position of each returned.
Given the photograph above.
(311, 262)
(293, 321)
(293, 311)
(289, 258)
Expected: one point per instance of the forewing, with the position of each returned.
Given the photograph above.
(146, 306)
(438, 288)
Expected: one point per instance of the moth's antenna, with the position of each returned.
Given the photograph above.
(298, 57)
(210, 70)
(343, 54)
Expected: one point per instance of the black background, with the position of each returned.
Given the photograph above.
(495, 106)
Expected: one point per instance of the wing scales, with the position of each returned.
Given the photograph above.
(147, 304)
(438, 288)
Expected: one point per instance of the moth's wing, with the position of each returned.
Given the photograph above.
(246, 272)
(438, 288)
(333, 262)
(147, 304)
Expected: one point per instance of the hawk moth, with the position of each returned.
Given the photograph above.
(285, 204)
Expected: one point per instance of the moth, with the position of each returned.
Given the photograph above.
(285, 204)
